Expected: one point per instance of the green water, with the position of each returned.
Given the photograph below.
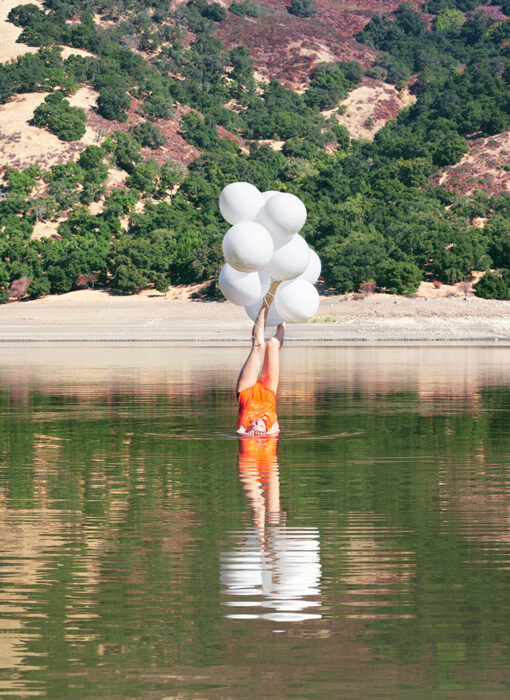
(146, 552)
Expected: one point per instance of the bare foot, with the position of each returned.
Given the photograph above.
(280, 333)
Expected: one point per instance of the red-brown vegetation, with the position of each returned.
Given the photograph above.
(176, 147)
(285, 47)
(19, 288)
(368, 287)
(87, 280)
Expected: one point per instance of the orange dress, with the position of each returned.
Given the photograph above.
(257, 402)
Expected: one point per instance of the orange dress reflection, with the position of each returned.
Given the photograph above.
(259, 476)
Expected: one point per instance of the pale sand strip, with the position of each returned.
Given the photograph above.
(98, 316)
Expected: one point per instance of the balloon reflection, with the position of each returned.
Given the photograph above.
(272, 566)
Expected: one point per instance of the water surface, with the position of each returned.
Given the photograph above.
(147, 552)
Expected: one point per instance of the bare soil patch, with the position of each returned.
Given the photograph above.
(9, 49)
(370, 106)
(482, 168)
(22, 145)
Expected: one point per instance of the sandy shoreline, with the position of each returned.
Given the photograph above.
(97, 316)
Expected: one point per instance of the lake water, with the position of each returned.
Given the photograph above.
(147, 552)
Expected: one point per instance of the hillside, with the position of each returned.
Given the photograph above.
(118, 135)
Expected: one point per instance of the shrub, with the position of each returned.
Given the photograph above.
(158, 107)
(39, 287)
(494, 285)
(113, 104)
(148, 135)
(303, 8)
(248, 8)
(4, 297)
(144, 177)
(330, 82)
(57, 115)
(91, 157)
(87, 280)
(368, 287)
(125, 149)
(401, 277)
(19, 288)
(214, 11)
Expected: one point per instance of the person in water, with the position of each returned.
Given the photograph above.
(257, 396)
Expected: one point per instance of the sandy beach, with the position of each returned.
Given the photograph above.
(175, 318)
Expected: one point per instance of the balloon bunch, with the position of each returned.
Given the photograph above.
(263, 245)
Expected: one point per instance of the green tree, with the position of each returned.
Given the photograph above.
(494, 286)
(171, 173)
(91, 158)
(498, 230)
(136, 263)
(400, 277)
(144, 176)
(148, 135)
(330, 82)
(57, 115)
(449, 19)
(113, 103)
(158, 107)
(361, 256)
(39, 287)
(125, 149)
(120, 203)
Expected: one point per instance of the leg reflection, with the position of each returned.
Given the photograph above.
(272, 566)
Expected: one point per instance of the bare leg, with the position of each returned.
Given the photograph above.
(271, 368)
(251, 368)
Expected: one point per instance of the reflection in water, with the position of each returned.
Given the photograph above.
(379, 572)
(273, 566)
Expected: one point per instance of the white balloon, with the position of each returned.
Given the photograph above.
(247, 246)
(240, 201)
(241, 288)
(273, 318)
(290, 259)
(297, 301)
(283, 214)
(265, 282)
(268, 194)
(313, 270)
